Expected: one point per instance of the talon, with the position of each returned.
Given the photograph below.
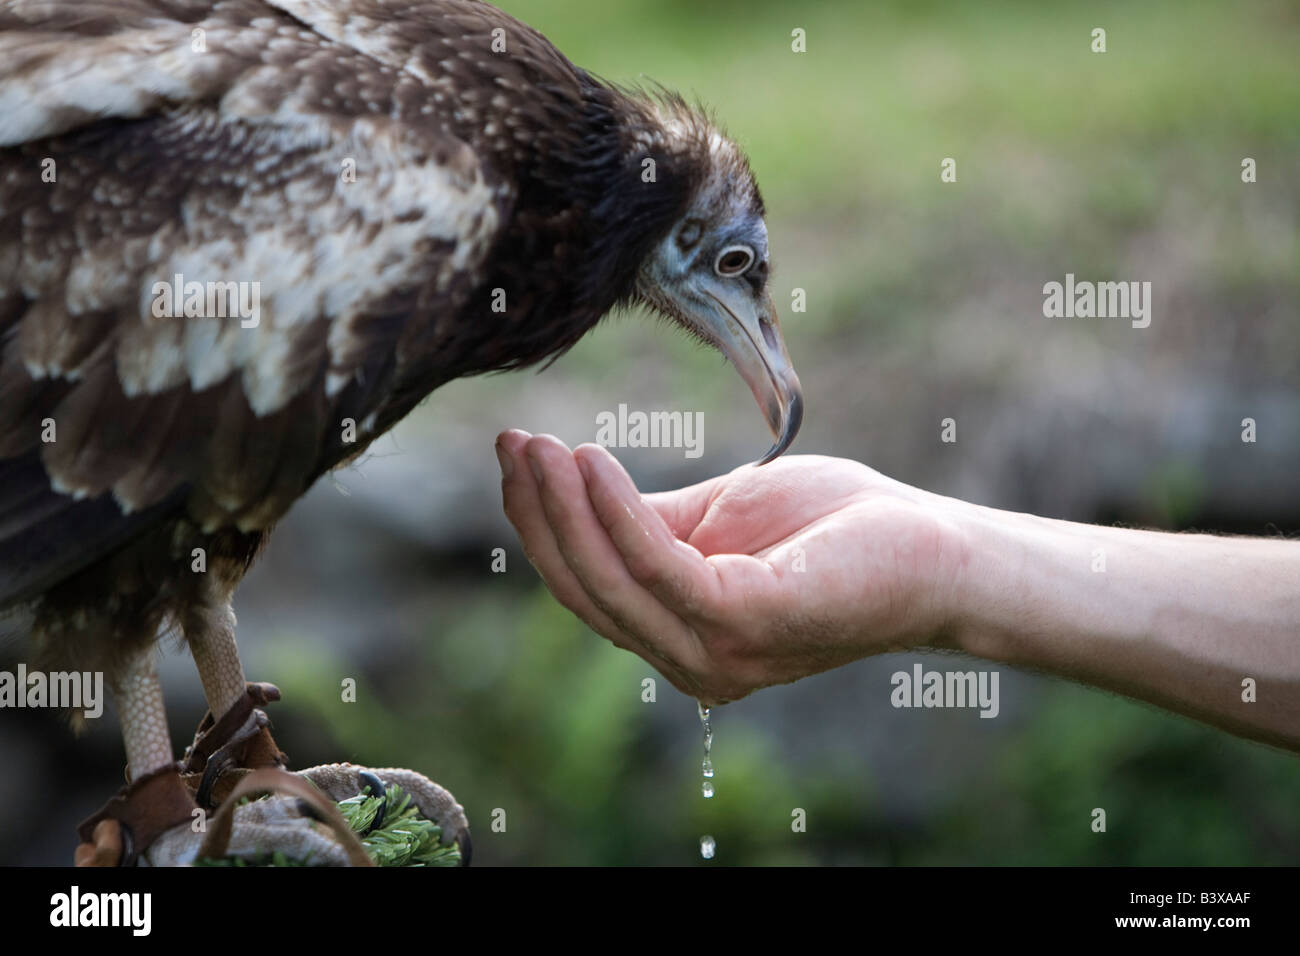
(377, 789)
(215, 766)
(229, 754)
(263, 692)
(307, 809)
(238, 742)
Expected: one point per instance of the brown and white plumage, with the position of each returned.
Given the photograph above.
(209, 139)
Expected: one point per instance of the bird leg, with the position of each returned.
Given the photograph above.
(237, 740)
(152, 816)
(143, 717)
(155, 799)
(211, 636)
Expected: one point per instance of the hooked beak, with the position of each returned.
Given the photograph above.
(749, 335)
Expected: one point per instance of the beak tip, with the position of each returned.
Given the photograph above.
(792, 419)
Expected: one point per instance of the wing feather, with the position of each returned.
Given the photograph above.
(306, 171)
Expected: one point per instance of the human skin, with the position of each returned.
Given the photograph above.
(769, 574)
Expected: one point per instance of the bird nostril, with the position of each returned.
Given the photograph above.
(769, 335)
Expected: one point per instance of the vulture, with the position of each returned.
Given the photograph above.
(240, 239)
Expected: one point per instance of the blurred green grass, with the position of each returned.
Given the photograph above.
(896, 85)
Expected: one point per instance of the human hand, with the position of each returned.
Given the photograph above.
(757, 577)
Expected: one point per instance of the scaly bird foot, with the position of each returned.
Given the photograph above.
(225, 750)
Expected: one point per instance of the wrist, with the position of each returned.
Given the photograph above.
(1178, 620)
(1035, 591)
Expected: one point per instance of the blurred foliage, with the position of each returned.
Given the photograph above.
(1175, 793)
(1176, 490)
(554, 735)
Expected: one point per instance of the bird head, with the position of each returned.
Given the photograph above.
(709, 272)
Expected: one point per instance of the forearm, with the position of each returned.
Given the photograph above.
(1175, 619)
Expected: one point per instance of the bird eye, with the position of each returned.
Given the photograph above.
(734, 260)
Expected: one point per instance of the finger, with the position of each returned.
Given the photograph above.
(523, 508)
(672, 570)
(682, 508)
(598, 565)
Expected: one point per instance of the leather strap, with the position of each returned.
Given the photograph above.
(146, 808)
(258, 782)
(212, 735)
(215, 764)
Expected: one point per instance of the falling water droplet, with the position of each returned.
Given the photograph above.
(707, 846)
(707, 766)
